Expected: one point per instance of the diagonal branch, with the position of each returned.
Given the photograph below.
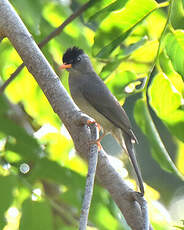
(57, 31)
(53, 34)
(11, 78)
(13, 28)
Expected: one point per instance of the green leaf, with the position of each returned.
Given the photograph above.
(100, 213)
(119, 81)
(167, 68)
(45, 169)
(179, 227)
(124, 53)
(7, 184)
(174, 44)
(56, 173)
(165, 63)
(60, 175)
(109, 68)
(4, 105)
(36, 215)
(19, 141)
(95, 7)
(166, 101)
(103, 13)
(107, 50)
(144, 121)
(119, 22)
(164, 98)
(177, 14)
(30, 12)
(175, 123)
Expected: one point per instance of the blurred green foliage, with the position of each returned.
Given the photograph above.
(137, 47)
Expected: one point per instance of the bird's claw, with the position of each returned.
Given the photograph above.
(97, 142)
(91, 122)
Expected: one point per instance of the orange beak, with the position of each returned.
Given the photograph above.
(66, 66)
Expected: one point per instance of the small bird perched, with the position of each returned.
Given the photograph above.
(93, 97)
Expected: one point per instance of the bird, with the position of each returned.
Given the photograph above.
(92, 96)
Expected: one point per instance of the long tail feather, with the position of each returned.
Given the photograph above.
(131, 153)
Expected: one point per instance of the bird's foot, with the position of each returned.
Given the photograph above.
(90, 122)
(97, 143)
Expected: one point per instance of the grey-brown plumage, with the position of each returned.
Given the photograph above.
(93, 98)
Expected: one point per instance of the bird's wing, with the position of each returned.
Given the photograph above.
(100, 97)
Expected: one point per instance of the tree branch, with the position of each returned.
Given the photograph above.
(13, 28)
(92, 163)
(143, 204)
(53, 34)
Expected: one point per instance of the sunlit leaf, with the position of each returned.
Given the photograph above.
(157, 18)
(175, 123)
(55, 13)
(145, 53)
(34, 100)
(164, 98)
(6, 53)
(165, 63)
(167, 68)
(166, 101)
(102, 213)
(119, 22)
(180, 156)
(101, 14)
(119, 81)
(174, 43)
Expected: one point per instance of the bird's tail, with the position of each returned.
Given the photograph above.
(131, 152)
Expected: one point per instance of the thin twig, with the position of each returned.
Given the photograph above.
(93, 158)
(53, 34)
(64, 24)
(13, 75)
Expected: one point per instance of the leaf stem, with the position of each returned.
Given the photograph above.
(159, 46)
(164, 4)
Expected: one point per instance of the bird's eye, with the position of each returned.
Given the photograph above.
(78, 59)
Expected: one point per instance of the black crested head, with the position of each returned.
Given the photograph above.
(71, 55)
